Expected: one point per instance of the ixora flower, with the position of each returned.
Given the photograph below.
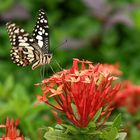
(12, 133)
(112, 69)
(129, 97)
(80, 92)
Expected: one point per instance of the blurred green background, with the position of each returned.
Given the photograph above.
(102, 31)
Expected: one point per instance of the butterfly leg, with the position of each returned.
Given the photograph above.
(51, 68)
(43, 72)
(58, 64)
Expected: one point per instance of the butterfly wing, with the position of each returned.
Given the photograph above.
(23, 52)
(41, 32)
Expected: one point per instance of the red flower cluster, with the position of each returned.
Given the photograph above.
(112, 69)
(80, 92)
(129, 97)
(11, 131)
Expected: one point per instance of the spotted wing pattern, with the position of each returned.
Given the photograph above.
(41, 32)
(23, 51)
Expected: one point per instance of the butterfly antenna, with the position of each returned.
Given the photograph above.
(60, 45)
(41, 75)
(43, 71)
(51, 68)
(46, 71)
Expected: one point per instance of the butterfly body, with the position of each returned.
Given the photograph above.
(28, 49)
(42, 60)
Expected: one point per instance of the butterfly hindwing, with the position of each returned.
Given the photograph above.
(22, 52)
(41, 32)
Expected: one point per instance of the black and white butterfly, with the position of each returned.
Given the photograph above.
(28, 49)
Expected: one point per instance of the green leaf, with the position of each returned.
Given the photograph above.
(92, 125)
(58, 126)
(94, 132)
(111, 135)
(74, 110)
(117, 121)
(97, 114)
(27, 138)
(56, 135)
(70, 128)
(121, 136)
(84, 130)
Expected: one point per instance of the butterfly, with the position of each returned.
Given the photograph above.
(32, 49)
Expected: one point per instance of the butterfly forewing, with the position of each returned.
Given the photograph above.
(26, 49)
(22, 52)
(41, 32)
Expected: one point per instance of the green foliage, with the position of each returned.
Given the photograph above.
(74, 20)
(117, 121)
(27, 138)
(112, 134)
(69, 132)
(135, 135)
(6, 4)
(15, 102)
(56, 135)
(122, 135)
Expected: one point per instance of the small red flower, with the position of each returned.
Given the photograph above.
(129, 97)
(112, 69)
(80, 92)
(12, 133)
